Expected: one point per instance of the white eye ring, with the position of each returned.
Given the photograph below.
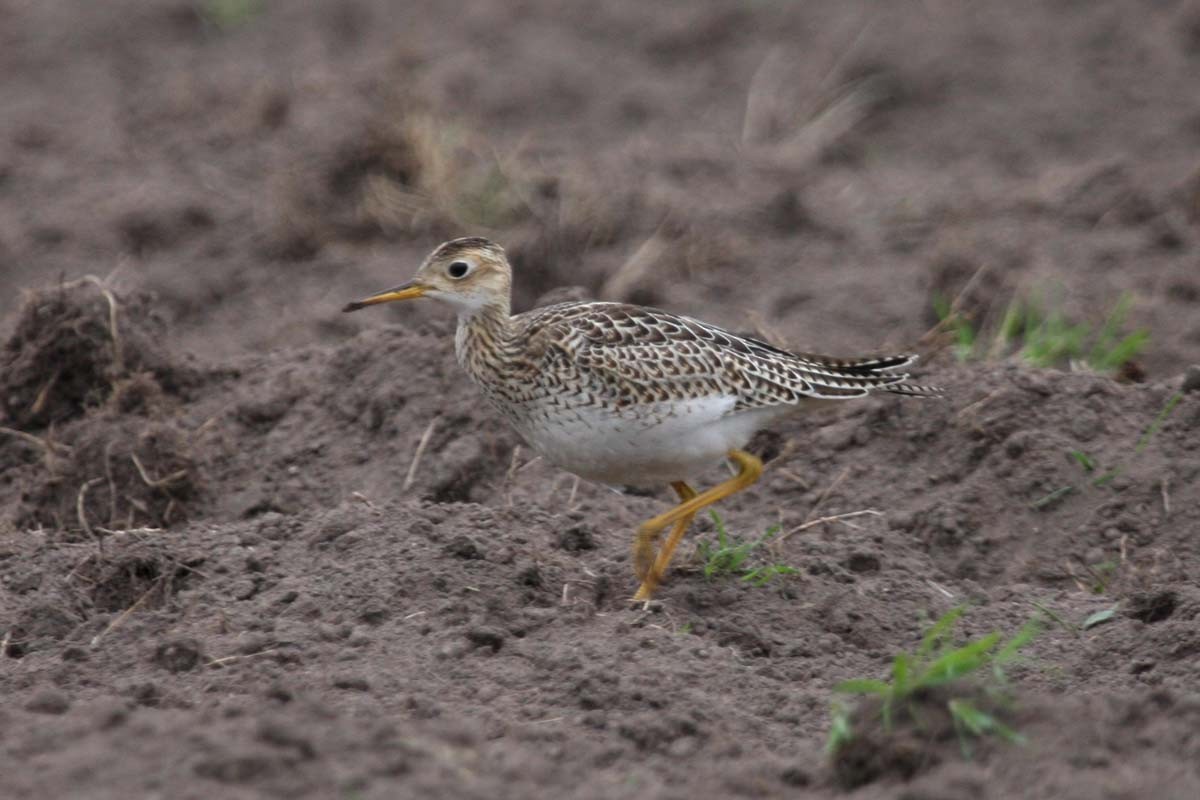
(458, 269)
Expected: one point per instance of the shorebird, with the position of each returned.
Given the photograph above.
(626, 395)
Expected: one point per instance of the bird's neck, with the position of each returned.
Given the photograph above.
(482, 337)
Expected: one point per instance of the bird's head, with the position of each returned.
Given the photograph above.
(471, 274)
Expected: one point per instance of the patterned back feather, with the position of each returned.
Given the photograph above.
(629, 355)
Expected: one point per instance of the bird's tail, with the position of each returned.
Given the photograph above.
(835, 378)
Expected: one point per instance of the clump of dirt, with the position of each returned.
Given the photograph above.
(72, 346)
(136, 571)
(112, 472)
(146, 577)
(90, 393)
(922, 734)
(37, 627)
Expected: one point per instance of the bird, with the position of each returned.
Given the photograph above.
(627, 395)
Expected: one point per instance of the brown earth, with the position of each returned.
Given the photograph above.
(217, 575)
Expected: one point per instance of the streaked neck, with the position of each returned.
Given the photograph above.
(482, 336)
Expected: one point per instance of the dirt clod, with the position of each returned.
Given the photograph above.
(179, 655)
(577, 538)
(921, 736)
(71, 345)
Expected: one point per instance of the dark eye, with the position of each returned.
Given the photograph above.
(458, 269)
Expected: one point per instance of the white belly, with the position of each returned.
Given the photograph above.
(644, 446)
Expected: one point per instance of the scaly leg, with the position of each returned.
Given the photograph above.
(749, 470)
(649, 567)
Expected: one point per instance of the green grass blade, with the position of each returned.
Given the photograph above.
(1123, 351)
(1013, 646)
(980, 723)
(1010, 328)
(941, 306)
(840, 732)
(1157, 424)
(761, 576)
(1011, 650)
(1052, 497)
(1099, 617)
(901, 670)
(862, 686)
(1085, 461)
(968, 716)
(937, 632)
(1003, 731)
(719, 524)
(956, 663)
(1056, 617)
(965, 339)
(1108, 353)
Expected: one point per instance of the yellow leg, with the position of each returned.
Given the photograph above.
(749, 470)
(649, 567)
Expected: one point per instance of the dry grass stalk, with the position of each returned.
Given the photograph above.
(411, 477)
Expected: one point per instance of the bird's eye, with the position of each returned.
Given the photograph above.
(458, 269)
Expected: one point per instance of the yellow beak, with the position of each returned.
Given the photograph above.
(405, 291)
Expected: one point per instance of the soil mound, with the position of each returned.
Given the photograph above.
(73, 345)
(89, 390)
(112, 472)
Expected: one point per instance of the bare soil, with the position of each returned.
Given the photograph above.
(221, 574)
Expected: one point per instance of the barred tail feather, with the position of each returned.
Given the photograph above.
(845, 378)
(871, 365)
(916, 390)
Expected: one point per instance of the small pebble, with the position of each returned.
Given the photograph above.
(486, 637)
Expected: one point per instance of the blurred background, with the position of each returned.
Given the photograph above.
(838, 176)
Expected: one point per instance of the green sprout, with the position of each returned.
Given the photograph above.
(729, 557)
(1043, 336)
(936, 663)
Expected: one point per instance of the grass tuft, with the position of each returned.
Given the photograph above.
(726, 556)
(1042, 335)
(962, 673)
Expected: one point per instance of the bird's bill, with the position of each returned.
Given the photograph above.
(406, 291)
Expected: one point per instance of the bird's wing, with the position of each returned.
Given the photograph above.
(637, 355)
